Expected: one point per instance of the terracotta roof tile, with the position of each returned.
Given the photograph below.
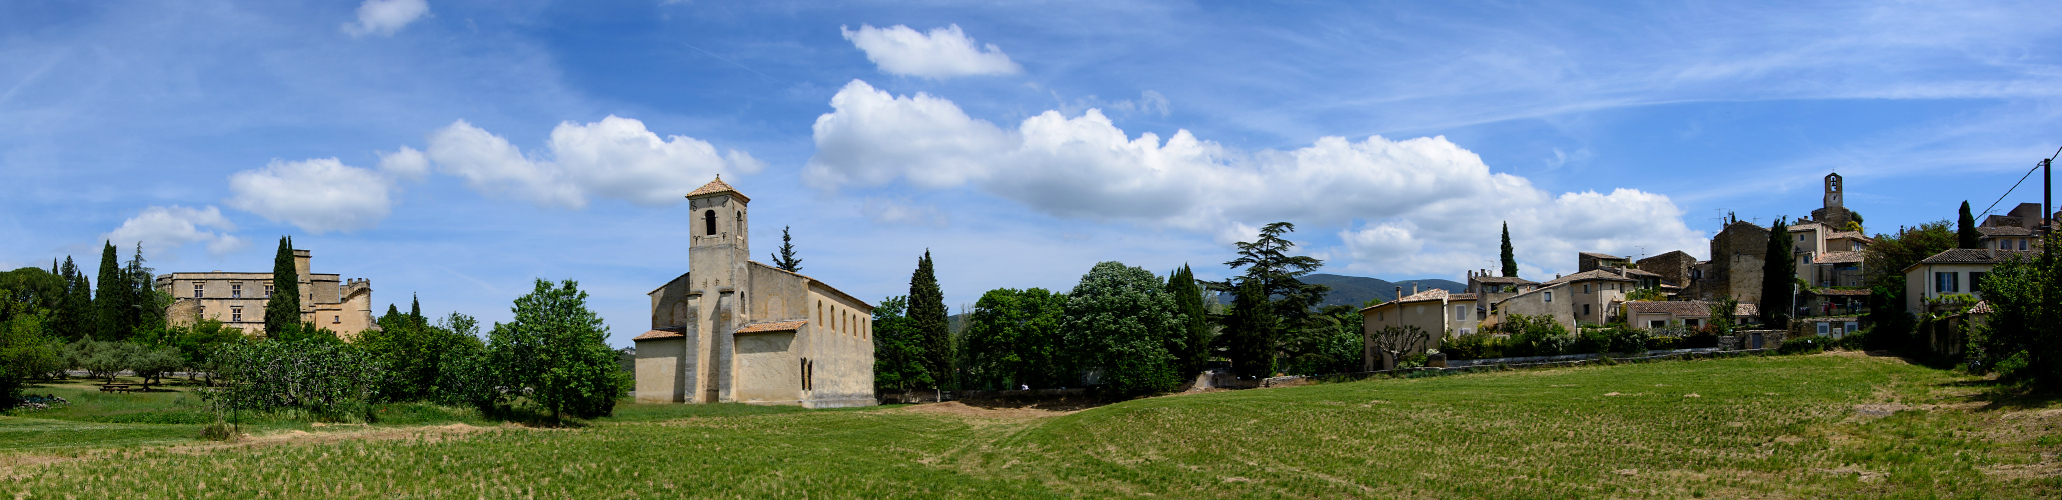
(1854, 235)
(1836, 257)
(1595, 274)
(1603, 256)
(660, 334)
(1975, 256)
(1506, 280)
(1684, 308)
(1839, 292)
(718, 186)
(777, 326)
(2005, 231)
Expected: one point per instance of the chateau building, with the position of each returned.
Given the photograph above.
(237, 299)
(735, 330)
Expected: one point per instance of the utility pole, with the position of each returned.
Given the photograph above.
(2047, 196)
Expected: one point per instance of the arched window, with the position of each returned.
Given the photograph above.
(709, 222)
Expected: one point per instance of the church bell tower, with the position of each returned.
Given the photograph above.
(717, 287)
(1833, 188)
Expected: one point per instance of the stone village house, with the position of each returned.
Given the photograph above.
(735, 330)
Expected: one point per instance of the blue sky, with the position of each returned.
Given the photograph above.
(461, 149)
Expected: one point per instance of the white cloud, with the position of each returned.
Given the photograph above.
(944, 52)
(613, 158)
(160, 229)
(318, 195)
(405, 163)
(384, 17)
(884, 211)
(1423, 204)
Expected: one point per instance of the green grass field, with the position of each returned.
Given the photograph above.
(1832, 425)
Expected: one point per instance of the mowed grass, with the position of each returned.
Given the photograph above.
(1835, 425)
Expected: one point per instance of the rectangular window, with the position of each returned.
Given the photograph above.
(1585, 309)
(339, 319)
(1852, 326)
(1800, 238)
(1549, 296)
(2022, 244)
(196, 289)
(1659, 323)
(1945, 282)
(268, 290)
(236, 290)
(236, 314)
(1460, 312)
(1976, 283)
(1585, 288)
(1692, 322)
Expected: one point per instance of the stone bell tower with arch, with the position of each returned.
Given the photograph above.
(718, 281)
(1834, 213)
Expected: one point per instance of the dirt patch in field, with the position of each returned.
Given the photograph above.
(10, 464)
(348, 432)
(991, 410)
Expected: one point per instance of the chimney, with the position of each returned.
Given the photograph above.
(1993, 249)
(1413, 288)
(1399, 293)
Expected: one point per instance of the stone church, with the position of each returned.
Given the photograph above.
(735, 330)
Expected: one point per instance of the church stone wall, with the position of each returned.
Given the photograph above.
(659, 377)
(840, 350)
(768, 369)
(776, 294)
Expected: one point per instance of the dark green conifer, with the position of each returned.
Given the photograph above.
(1965, 230)
(283, 309)
(927, 317)
(1510, 259)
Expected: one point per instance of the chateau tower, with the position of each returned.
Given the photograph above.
(717, 281)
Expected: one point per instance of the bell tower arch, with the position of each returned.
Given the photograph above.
(716, 258)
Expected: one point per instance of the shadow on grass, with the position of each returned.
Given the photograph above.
(2000, 394)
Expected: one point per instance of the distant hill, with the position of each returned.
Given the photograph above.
(1356, 290)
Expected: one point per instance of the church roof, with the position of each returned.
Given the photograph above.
(777, 326)
(660, 334)
(717, 186)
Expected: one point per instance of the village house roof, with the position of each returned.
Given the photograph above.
(1852, 235)
(775, 326)
(1602, 256)
(1837, 258)
(1595, 274)
(1432, 295)
(1505, 280)
(1973, 256)
(1839, 292)
(1684, 308)
(2004, 231)
(718, 186)
(1636, 272)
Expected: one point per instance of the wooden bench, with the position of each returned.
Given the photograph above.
(121, 388)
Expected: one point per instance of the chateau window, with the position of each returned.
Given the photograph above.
(236, 290)
(339, 319)
(235, 314)
(196, 289)
(709, 222)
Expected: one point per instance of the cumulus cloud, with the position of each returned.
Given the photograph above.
(1412, 205)
(405, 163)
(613, 158)
(318, 195)
(165, 228)
(384, 17)
(944, 52)
(883, 211)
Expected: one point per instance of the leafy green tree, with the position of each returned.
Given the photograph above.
(416, 354)
(1333, 343)
(1510, 259)
(73, 319)
(1966, 235)
(1778, 276)
(1195, 315)
(112, 300)
(1013, 338)
(1250, 330)
(24, 354)
(557, 350)
(1721, 312)
(786, 259)
(283, 308)
(1890, 326)
(927, 317)
(151, 363)
(2022, 337)
(146, 311)
(898, 349)
(1278, 274)
(1116, 322)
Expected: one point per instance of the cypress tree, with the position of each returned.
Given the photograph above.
(111, 299)
(1510, 260)
(927, 320)
(1965, 229)
(1194, 349)
(1250, 330)
(146, 306)
(1778, 276)
(415, 311)
(283, 309)
(786, 259)
(75, 317)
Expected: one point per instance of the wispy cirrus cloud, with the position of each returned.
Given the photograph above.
(384, 17)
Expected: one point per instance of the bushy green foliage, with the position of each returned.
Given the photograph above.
(1536, 336)
(1118, 320)
(24, 354)
(102, 359)
(2025, 296)
(1250, 331)
(1188, 297)
(1891, 326)
(1778, 275)
(1331, 342)
(329, 380)
(1013, 338)
(898, 348)
(1256, 344)
(415, 353)
(555, 354)
(1477, 345)
(152, 363)
(1803, 345)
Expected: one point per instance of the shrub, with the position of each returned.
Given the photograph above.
(1537, 336)
(329, 380)
(1474, 346)
(1854, 341)
(1665, 343)
(1632, 341)
(1805, 345)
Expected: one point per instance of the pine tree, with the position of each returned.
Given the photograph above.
(1194, 348)
(147, 305)
(928, 322)
(283, 309)
(1778, 276)
(1510, 260)
(1965, 229)
(786, 259)
(111, 299)
(1250, 331)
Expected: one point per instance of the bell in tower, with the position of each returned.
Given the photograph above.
(1833, 188)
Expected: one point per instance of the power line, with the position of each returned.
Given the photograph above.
(2022, 179)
